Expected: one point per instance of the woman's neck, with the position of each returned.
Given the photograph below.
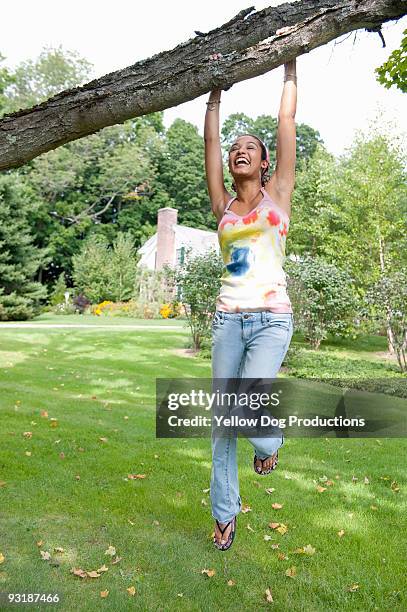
(247, 191)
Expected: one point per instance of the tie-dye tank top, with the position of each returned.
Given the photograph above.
(253, 250)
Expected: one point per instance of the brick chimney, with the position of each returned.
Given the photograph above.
(166, 219)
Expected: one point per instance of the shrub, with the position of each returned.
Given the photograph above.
(198, 282)
(324, 299)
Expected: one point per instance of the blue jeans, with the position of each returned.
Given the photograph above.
(245, 345)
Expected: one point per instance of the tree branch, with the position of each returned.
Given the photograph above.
(186, 72)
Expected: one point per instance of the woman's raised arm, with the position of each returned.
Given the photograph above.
(283, 179)
(213, 156)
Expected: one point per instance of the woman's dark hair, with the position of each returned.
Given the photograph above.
(265, 177)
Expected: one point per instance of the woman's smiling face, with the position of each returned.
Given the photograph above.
(245, 157)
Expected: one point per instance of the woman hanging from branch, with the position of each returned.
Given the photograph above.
(253, 323)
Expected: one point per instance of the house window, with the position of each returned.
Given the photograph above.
(180, 256)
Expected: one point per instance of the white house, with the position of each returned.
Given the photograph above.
(168, 245)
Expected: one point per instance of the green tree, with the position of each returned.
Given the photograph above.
(315, 221)
(92, 269)
(20, 293)
(123, 267)
(372, 189)
(394, 69)
(182, 175)
(37, 80)
(6, 79)
(99, 184)
(388, 297)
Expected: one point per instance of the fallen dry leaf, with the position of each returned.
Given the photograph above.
(309, 550)
(269, 595)
(28, 434)
(53, 422)
(104, 593)
(276, 506)
(103, 439)
(274, 525)
(116, 560)
(110, 551)
(281, 556)
(275, 546)
(366, 480)
(291, 572)
(58, 549)
(395, 487)
(44, 414)
(353, 587)
(245, 508)
(321, 489)
(40, 543)
(249, 528)
(231, 583)
(2, 558)
(136, 476)
(131, 591)
(28, 453)
(208, 572)
(104, 568)
(2, 483)
(270, 490)
(45, 555)
(204, 502)
(267, 538)
(78, 572)
(282, 529)
(373, 507)
(93, 574)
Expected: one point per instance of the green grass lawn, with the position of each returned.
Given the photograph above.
(72, 492)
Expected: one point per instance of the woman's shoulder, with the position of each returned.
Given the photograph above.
(219, 210)
(282, 201)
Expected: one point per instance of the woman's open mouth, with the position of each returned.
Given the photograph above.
(242, 161)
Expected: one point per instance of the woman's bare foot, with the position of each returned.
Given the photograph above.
(222, 538)
(266, 464)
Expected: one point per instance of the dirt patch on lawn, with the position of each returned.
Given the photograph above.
(386, 355)
(189, 352)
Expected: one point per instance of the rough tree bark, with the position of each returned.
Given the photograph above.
(248, 47)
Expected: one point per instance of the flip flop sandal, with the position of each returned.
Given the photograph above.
(231, 537)
(270, 469)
